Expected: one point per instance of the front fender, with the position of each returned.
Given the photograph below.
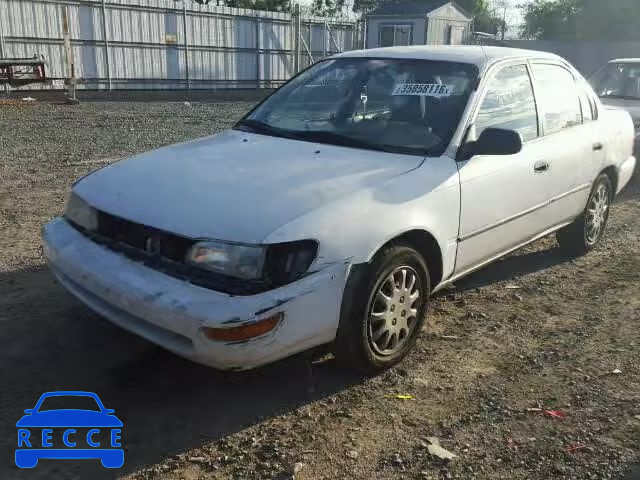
(355, 227)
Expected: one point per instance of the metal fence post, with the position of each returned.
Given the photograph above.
(71, 70)
(324, 39)
(365, 33)
(7, 88)
(296, 35)
(186, 44)
(106, 44)
(258, 69)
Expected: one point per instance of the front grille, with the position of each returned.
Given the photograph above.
(141, 237)
(165, 252)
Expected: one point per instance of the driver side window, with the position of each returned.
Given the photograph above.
(509, 103)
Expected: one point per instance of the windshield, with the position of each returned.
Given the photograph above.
(394, 105)
(618, 80)
(66, 402)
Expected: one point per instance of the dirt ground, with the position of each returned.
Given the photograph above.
(533, 332)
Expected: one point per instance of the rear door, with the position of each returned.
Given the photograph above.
(574, 142)
(504, 199)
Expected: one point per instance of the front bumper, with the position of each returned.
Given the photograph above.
(171, 312)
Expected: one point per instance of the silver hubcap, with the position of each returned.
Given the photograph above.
(597, 213)
(393, 311)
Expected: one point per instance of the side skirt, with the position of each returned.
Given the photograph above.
(484, 263)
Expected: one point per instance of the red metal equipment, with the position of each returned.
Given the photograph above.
(22, 71)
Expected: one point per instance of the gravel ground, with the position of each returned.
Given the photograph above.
(533, 332)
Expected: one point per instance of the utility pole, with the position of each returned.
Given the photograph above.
(71, 70)
(296, 35)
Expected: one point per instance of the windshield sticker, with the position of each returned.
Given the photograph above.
(423, 89)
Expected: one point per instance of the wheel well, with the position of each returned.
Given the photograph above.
(612, 173)
(427, 246)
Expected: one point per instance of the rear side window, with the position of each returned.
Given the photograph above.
(509, 103)
(585, 103)
(558, 94)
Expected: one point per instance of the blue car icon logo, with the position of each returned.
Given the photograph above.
(90, 432)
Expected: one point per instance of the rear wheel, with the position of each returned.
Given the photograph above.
(587, 230)
(383, 310)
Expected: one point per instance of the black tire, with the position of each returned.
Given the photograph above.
(354, 345)
(575, 238)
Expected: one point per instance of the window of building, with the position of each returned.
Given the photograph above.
(396, 35)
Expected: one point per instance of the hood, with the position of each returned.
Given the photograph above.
(69, 418)
(631, 106)
(235, 186)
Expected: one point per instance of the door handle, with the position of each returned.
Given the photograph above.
(597, 147)
(541, 167)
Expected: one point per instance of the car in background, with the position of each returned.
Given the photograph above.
(618, 85)
(333, 210)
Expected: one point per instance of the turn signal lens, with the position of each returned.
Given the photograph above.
(244, 332)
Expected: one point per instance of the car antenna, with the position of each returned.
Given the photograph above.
(483, 51)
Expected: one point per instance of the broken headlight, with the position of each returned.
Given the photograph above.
(80, 213)
(286, 262)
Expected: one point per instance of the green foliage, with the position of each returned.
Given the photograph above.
(610, 20)
(582, 19)
(327, 8)
(269, 5)
(551, 19)
(365, 6)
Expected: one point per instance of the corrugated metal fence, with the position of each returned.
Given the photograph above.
(166, 44)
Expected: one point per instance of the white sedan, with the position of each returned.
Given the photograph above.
(332, 211)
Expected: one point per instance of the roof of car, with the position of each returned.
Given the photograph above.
(482, 56)
(625, 60)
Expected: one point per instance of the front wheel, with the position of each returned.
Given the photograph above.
(383, 310)
(587, 230)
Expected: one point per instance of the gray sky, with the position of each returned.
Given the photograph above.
(513, 16)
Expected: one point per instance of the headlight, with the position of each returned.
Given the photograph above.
(277, 264)
(81, 213)
(243, 261)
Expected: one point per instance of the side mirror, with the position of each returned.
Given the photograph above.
(29, 411)
(494, 141)
(109, 411)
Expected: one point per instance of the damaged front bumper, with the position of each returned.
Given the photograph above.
(173, 313)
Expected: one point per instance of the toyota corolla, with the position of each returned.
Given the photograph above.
(332, 211)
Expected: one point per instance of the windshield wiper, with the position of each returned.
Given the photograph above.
(347, 141)
(256, 126)
(621, 97)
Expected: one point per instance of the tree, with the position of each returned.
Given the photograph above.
(555, 19)
(269, 5)
(582, 19)
(327, 8)
(610, 20)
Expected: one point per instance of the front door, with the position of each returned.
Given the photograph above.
(503, 198)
